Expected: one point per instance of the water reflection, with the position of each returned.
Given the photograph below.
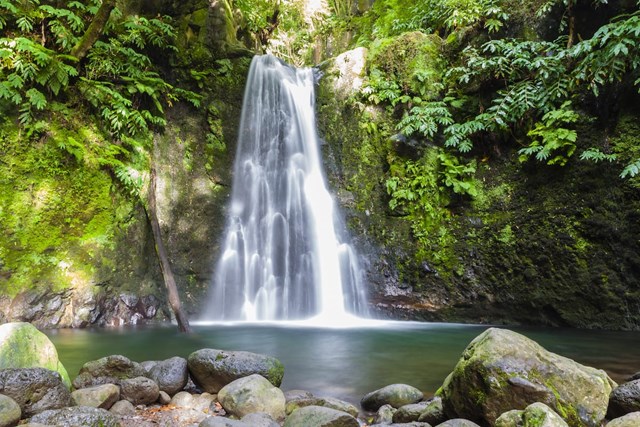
(346, 363)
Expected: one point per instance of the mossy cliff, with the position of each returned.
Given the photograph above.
(77, 247)
(513, 243)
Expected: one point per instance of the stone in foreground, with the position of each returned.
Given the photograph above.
(213, 369)
(171, 374)
(252, 394)
(10, 412)
(108, 370)
(396, 395)
(24, 346)
(77, 416)
(535, 415)
(629, 420)
(502, 370)
(319, 416)
(34, 389)
(434, 412)
(139, 391)
(100, 396)
(624, 399)
(458, 422)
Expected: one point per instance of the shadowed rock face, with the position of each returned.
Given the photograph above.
(501, 370)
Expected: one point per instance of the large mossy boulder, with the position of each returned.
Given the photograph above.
(501, 370)
(23, 346)
(213, 369)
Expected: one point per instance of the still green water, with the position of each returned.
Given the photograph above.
(349, 362)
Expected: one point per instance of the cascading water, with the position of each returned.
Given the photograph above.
(283, 257)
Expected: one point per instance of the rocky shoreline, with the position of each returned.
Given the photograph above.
(502, 379)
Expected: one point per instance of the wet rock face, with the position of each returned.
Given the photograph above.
(81, 308)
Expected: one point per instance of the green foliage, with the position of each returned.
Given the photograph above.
(119, 79)
(458, 176)
(612, 54)
(551, 138)
(425, 119)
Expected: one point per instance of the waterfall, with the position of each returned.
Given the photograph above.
(283, 257)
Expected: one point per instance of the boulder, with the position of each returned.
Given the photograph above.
(23, 346)
(502, 370)
(10, 412)
(512, 418)
(410, 424)
(171, 375)
(139, 391)
(319, 416)
(624, 399)
(327, 402)
(108, 370)
(148, 364)
(410, 412)
(250, 420)
(213, 369)
(222, 422)
(434, 412)
(252, 394)
(629, 420)
(123, 407)
(34, 389)
(535, 415)
(458, 422)
(259, 419)
(396, 395)
(201, 402)
(77, 416)
(99, 396)
(385, 414)
(164, 398)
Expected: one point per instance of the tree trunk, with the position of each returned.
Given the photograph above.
(572, 24)
(95, 29)
(165, 266)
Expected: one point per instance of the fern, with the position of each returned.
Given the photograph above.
(552, 142)
(631, 170)
(596, 155)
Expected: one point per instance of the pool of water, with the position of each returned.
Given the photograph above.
(345, 362)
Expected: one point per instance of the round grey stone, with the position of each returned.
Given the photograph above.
(10, 412)
(624, 399)
(139, 391)
(396, 395)
(171, 375)
(319, 416)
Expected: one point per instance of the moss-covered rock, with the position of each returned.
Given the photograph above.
(23, 346)
(501, 370)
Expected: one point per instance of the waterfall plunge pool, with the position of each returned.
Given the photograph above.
(345, 362)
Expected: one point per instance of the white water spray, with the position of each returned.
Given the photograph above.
(283, 257)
